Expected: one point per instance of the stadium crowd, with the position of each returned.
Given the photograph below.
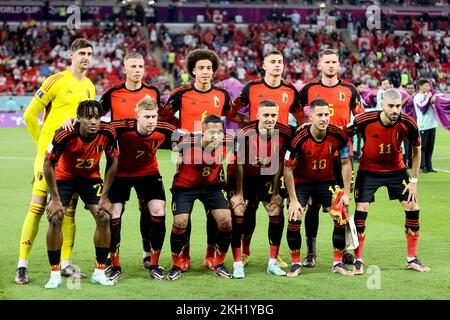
(33, 51)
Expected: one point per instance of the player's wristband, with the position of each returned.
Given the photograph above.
(413, 180)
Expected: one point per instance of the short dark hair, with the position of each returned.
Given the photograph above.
(357, 83)
(327, 52)
(267, 103)
(421, 82)
(80, 43)
(384, 79)
(410, 84)
(318, 103)
(201, 54)
(274, 52)
(211, 118)
(87, 107)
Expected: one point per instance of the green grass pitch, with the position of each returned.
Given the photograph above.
(385, 247)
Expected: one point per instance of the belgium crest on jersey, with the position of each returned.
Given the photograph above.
(284, 97)
(341, 96)
(216, 101)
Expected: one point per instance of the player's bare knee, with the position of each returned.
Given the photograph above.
(103, 218)
(362, 206)
(158, 211)
(239, 211)
(56, 220)
(38, 199)
(274, 212)
(224, 223)
(180, 222)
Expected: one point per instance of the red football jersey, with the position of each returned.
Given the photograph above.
(254, 92)
(194, 105)
(198, 166)
(312, 159)
(138, 153)
(75, 157)
(122, 102)
(343, 99)
(262, 154)
(382, 150)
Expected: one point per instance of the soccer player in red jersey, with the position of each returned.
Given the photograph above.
(259, 171)
(198, 177)
(72, 166)
(343, 100)
(270, 87)
(193, 103)
(139, 139)
(382, 164)
(308, 172)
(121, 102)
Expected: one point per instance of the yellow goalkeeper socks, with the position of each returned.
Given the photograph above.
(68, 232)
(30, 228)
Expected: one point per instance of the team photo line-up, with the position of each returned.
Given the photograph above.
(302, 167)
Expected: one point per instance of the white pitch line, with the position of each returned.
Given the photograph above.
(16, 158)
(442, 170)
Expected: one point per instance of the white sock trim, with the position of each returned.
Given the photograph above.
(23, 263)
(65, 263)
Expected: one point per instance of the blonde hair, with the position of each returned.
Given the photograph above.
(147, 103)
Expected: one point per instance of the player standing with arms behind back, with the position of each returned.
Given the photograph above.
(58, 97)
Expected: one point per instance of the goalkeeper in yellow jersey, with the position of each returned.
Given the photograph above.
(58, 97)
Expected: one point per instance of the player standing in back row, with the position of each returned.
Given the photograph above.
(58, 97)
(270, 87)
(194, 102)
(139, 139)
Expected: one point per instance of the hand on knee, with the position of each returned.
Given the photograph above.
(103, 218)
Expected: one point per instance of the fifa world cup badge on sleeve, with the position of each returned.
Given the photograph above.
(40, 93)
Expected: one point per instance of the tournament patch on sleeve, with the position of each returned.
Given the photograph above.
(287, 155)
(50, 148)
(40, 94)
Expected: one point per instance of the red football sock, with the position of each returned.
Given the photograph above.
(236, 254)
(358, 251)
(295, 255)
(412, 240)
(274, 251)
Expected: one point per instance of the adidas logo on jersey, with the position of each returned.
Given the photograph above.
(375, 135)
(69, 91)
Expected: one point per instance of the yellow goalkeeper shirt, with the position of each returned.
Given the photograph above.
(58, 96)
